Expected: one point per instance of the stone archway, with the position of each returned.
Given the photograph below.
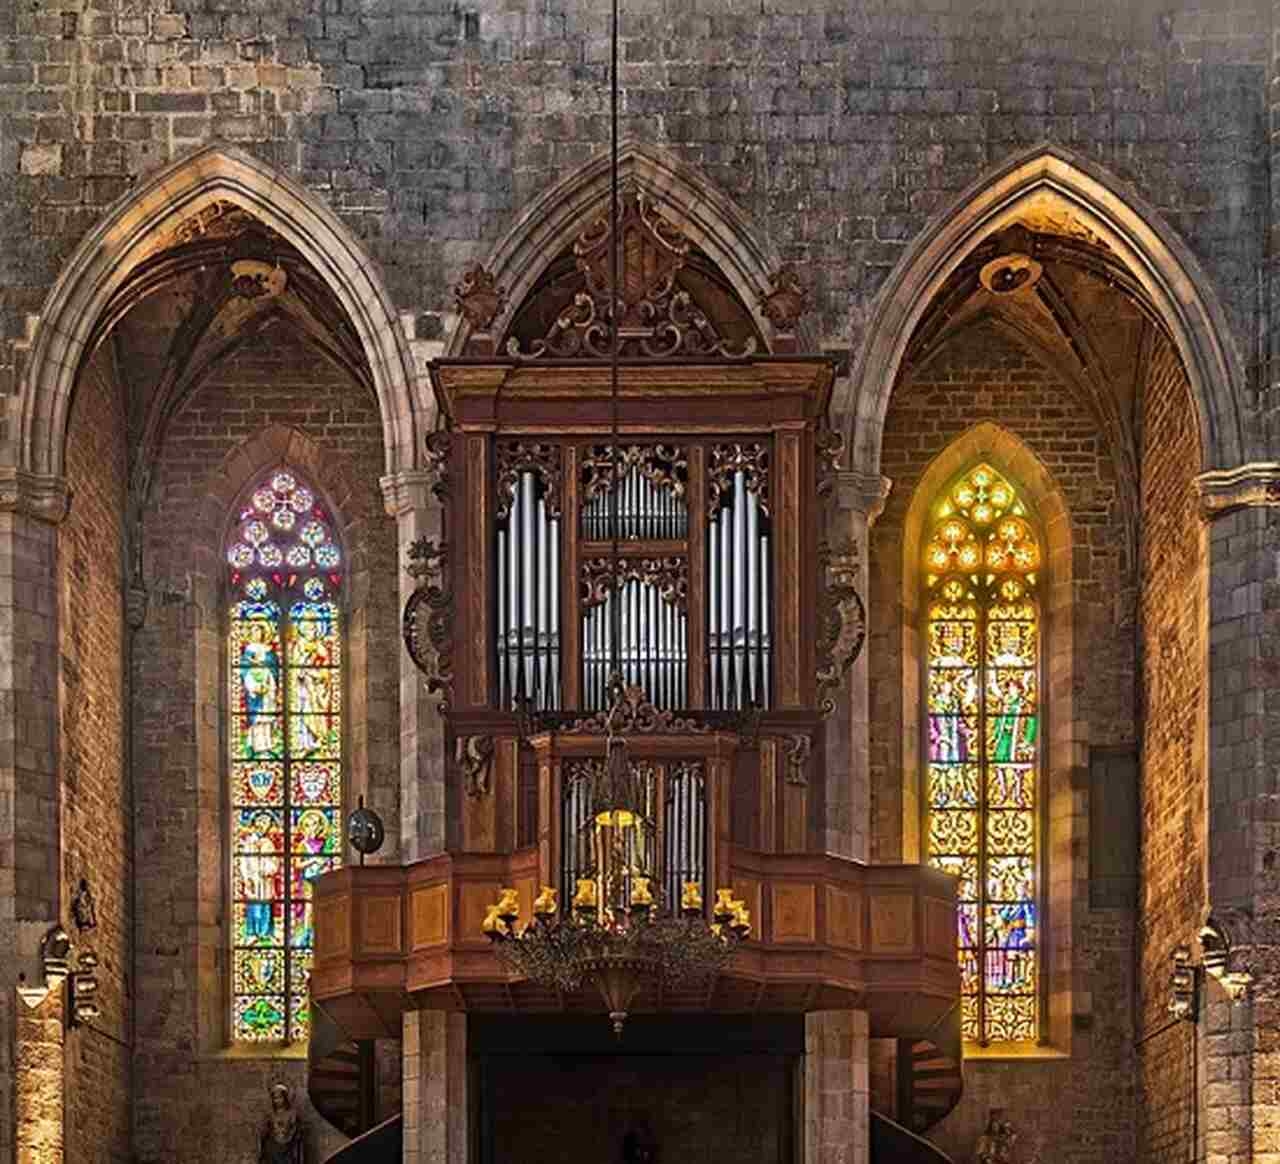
(1050, 180)
(138, 228)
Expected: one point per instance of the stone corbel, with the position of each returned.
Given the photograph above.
(1221, 953)
(864, 493)
(842, 620)
(1256, 484)
(406, 491)
(37, 495)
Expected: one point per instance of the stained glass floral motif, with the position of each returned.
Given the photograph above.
(285, 733)
(982, 691)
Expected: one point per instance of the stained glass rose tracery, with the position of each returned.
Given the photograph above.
(284, 664)
(983, 715)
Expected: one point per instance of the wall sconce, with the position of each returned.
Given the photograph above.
(1184, 987)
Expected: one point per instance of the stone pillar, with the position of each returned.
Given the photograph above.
(436, 1100)
(30, 802)
(39, 1099)
(837, 1107)
(1240, 944)
(857, 502)
(412, 498)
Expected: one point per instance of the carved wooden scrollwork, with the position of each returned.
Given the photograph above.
(635, 715)
(787, 301)
(829, 446)
(751, 459)
(798, 748)
(670, 576)
(479, 297)
(436, 451)
(539, 457)
(664, 466)
(842, 621)
(656, 316)
(474, 757)
(428, 617)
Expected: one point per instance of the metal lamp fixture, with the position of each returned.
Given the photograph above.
(617, 932)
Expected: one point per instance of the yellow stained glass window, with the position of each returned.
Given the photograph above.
(284, 655)
(982, 743)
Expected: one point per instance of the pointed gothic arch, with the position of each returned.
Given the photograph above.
(1053, 179)
(707, 218)
(141, 224)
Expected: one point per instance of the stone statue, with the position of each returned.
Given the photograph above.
(995, 1145)
(280, 1138)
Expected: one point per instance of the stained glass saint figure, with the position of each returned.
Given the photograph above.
(982, 717)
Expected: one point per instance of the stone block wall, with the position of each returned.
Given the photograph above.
(274, 395)
(1174, 804)
(839, 128)
(1077, 1098)
(97, 834)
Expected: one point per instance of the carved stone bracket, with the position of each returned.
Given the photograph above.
(663, 466)
(752, 460)
(539, 457)
(1253, 485)
(798, 749)
(669, 576)
(788, 300)
(474, 757)
(479, 297)
(842, 621)
(428, 618)
(635, 715)
(36, 495)
(1223, 944)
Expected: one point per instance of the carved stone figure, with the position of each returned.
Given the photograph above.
(280, 1137)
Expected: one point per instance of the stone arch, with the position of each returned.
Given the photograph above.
(138, 226)
(1009, 455)
(1106, 208)
(710, 220)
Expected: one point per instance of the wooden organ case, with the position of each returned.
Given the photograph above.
(732, 642)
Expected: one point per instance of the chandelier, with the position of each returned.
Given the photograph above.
(617, 933)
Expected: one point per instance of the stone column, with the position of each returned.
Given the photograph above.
(1240, 944)
(38, 1081)
(436, 1100)
(30, 801)
(836, 1094)
(857, 501)
(412, 498)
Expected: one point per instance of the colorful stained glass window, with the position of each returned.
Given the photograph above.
(982, 689)
(285, 686)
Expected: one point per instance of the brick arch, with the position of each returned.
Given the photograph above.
(992, 444)
(139, 226)
(708, 218)
(1160, 261)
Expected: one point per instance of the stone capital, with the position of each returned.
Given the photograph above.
(407, 490)
(1256, 484)
(37, 495)
(863, 493)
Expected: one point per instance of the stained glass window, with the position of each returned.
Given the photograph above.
(285, 700)
(982, 689)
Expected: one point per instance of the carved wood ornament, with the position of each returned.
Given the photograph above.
(474, 757)
(842, 621)
(664, 466)
(539, 457)
(670, 576)
(752, 460)
(428, 617)
(658, 318)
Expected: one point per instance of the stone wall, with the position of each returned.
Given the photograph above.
(839, 128)
(276, 400)
(96, 799)
(1174, 650)
(1075, 1102)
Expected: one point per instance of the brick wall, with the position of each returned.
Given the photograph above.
(184, 1080)
(1076, 1109)
(838, 127)
(97, 834)
(1173, 802)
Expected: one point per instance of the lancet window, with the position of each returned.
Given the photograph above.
(982, 742)
(285, 735)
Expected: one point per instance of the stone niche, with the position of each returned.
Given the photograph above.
(562, 1090)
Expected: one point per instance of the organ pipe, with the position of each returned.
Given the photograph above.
(739, 639)
(528, 606)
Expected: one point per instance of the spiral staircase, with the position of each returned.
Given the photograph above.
(342, 1087)
(929, 1085)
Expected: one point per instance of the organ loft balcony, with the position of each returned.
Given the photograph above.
(669, 529)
